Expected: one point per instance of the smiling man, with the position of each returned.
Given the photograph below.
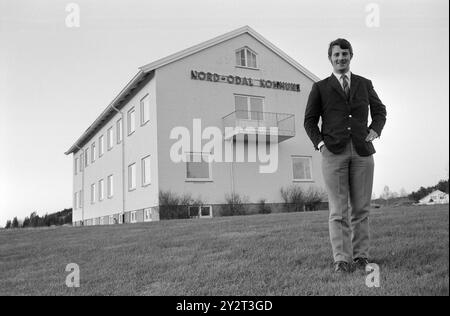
(343, 101)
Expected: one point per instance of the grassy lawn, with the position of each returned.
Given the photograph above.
(276, 254)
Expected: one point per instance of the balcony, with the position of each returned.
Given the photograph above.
(246, 123)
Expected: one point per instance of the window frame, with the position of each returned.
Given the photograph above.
(119, 130)
(310, 168)
(210, 211)
(93, 152)
(110, 138)
(75, 165)
(75, 200)
(133, 174)
(143, 183)
(86, 157)
(101, 145)
(149, 219)
(93, 193)
(199, 208)
(131, 111)
(249, 109)
(209, 179)
(133, 214)
(81, 161)
(246, 49)
(143, 107)
(101, 190)
(110, 186)
(80, 199)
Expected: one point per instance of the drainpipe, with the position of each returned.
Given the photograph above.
(82, 183)
(232, 178)
(123, 163)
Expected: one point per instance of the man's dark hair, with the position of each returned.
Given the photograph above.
(342, 43)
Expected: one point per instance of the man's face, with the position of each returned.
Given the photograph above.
(340, 59)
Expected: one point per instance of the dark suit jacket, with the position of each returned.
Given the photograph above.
(344, 119)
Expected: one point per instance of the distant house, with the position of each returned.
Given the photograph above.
(435, 197)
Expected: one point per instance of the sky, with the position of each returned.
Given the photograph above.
(55, 80)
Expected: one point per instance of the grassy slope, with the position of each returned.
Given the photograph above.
(277, 254)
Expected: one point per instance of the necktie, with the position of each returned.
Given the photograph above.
(345, 85)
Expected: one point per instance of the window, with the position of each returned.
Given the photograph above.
(198, 169)
(86, 158)
(110, 138)
(101, 220)
(133, 218)
(93, 154)
(148, 214)
(111, 219)
(145, 110)
(76, 166)
(132, 177)
(204, 211)
(302, 168)
(75, 201)
(249, 108)
(101, 146)
(119, 131)
(131, 121)
(110, 185)
(80, 199)
(245, 57)
(81, 161)
(92, 193)
(101, 190)
(145, 167)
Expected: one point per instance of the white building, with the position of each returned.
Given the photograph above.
(239, 79)
(435, 197)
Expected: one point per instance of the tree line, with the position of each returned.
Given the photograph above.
(55, 219)
(423, 192)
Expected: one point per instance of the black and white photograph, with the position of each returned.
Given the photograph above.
(224, 154)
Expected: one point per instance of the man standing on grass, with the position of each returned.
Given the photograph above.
(342, 101)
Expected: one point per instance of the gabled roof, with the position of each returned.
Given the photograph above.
(225, 37)
(439, 192)
(146, 70)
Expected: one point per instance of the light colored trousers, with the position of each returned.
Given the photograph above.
(349, 180)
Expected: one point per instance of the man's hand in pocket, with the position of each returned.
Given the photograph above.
(372, 135)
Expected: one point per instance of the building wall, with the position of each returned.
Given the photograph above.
(181, 99)
(138, 145)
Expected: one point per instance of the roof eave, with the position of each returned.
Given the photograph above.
(105, 112)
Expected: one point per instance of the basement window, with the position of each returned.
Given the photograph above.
(204, 211)
(133, 217)
(148, 214)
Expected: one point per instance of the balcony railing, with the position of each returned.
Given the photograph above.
(254, 122)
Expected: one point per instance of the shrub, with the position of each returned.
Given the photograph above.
(235, 205)
(263, 208)
(297, 200)
(313, 197)
(174, 206)
(293, 197)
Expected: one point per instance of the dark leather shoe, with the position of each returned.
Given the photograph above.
(342, 267)
(360, 263)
